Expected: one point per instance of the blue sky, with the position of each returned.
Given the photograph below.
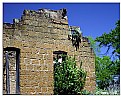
(93, 18)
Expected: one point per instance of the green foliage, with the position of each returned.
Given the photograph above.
(115, 67)
(99, 91)
(85, 92)
(76, 38)
(111, 39)
(103, 72)
(93, 45)
(105, 68)
(111, 91)
(69, 79)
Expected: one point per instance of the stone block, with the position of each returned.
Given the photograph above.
(44, 84)
(50, 90)
(22, 66)
(25, 44)
(23, 90)
(29, 67)
(48, 61)
(38, 90)
(23, 78)
(45, 67)
(31, 33)
(31, 77)
(47, 45)
(32, 44)
(41, 61)
(34, 56)
(17, 44)
(39, 44)
(44, 89)
(50, 67)
(30, 90)
(42, 51)
(35, 61)
(23, 55)
(50, 84)
(34, 83)
(48, 57)
(25, 72)
(35, 73)
(26, 61)
(26, 50)
(38, 67)
(51, 78)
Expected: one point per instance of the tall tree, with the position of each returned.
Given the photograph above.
(104, 66)
(112, 39)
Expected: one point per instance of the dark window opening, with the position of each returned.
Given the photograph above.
(11, 59)
(59, 56)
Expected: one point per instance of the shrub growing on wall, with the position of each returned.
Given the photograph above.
(69, 79)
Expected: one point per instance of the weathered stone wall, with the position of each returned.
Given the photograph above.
(38, 36)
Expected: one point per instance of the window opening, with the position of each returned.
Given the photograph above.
(59, 56)
(11, 60)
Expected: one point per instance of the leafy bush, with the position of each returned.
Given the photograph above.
(105, 68)
(99, 91)
(111, 91)
(69, 79)
(85, 92)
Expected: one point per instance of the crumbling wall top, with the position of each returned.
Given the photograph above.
(53, 14)
(56, 16)
(8, 25)
(74, 28)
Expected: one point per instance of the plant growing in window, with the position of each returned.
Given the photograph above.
(69, 79)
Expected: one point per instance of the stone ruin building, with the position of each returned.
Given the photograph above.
(30, 45)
